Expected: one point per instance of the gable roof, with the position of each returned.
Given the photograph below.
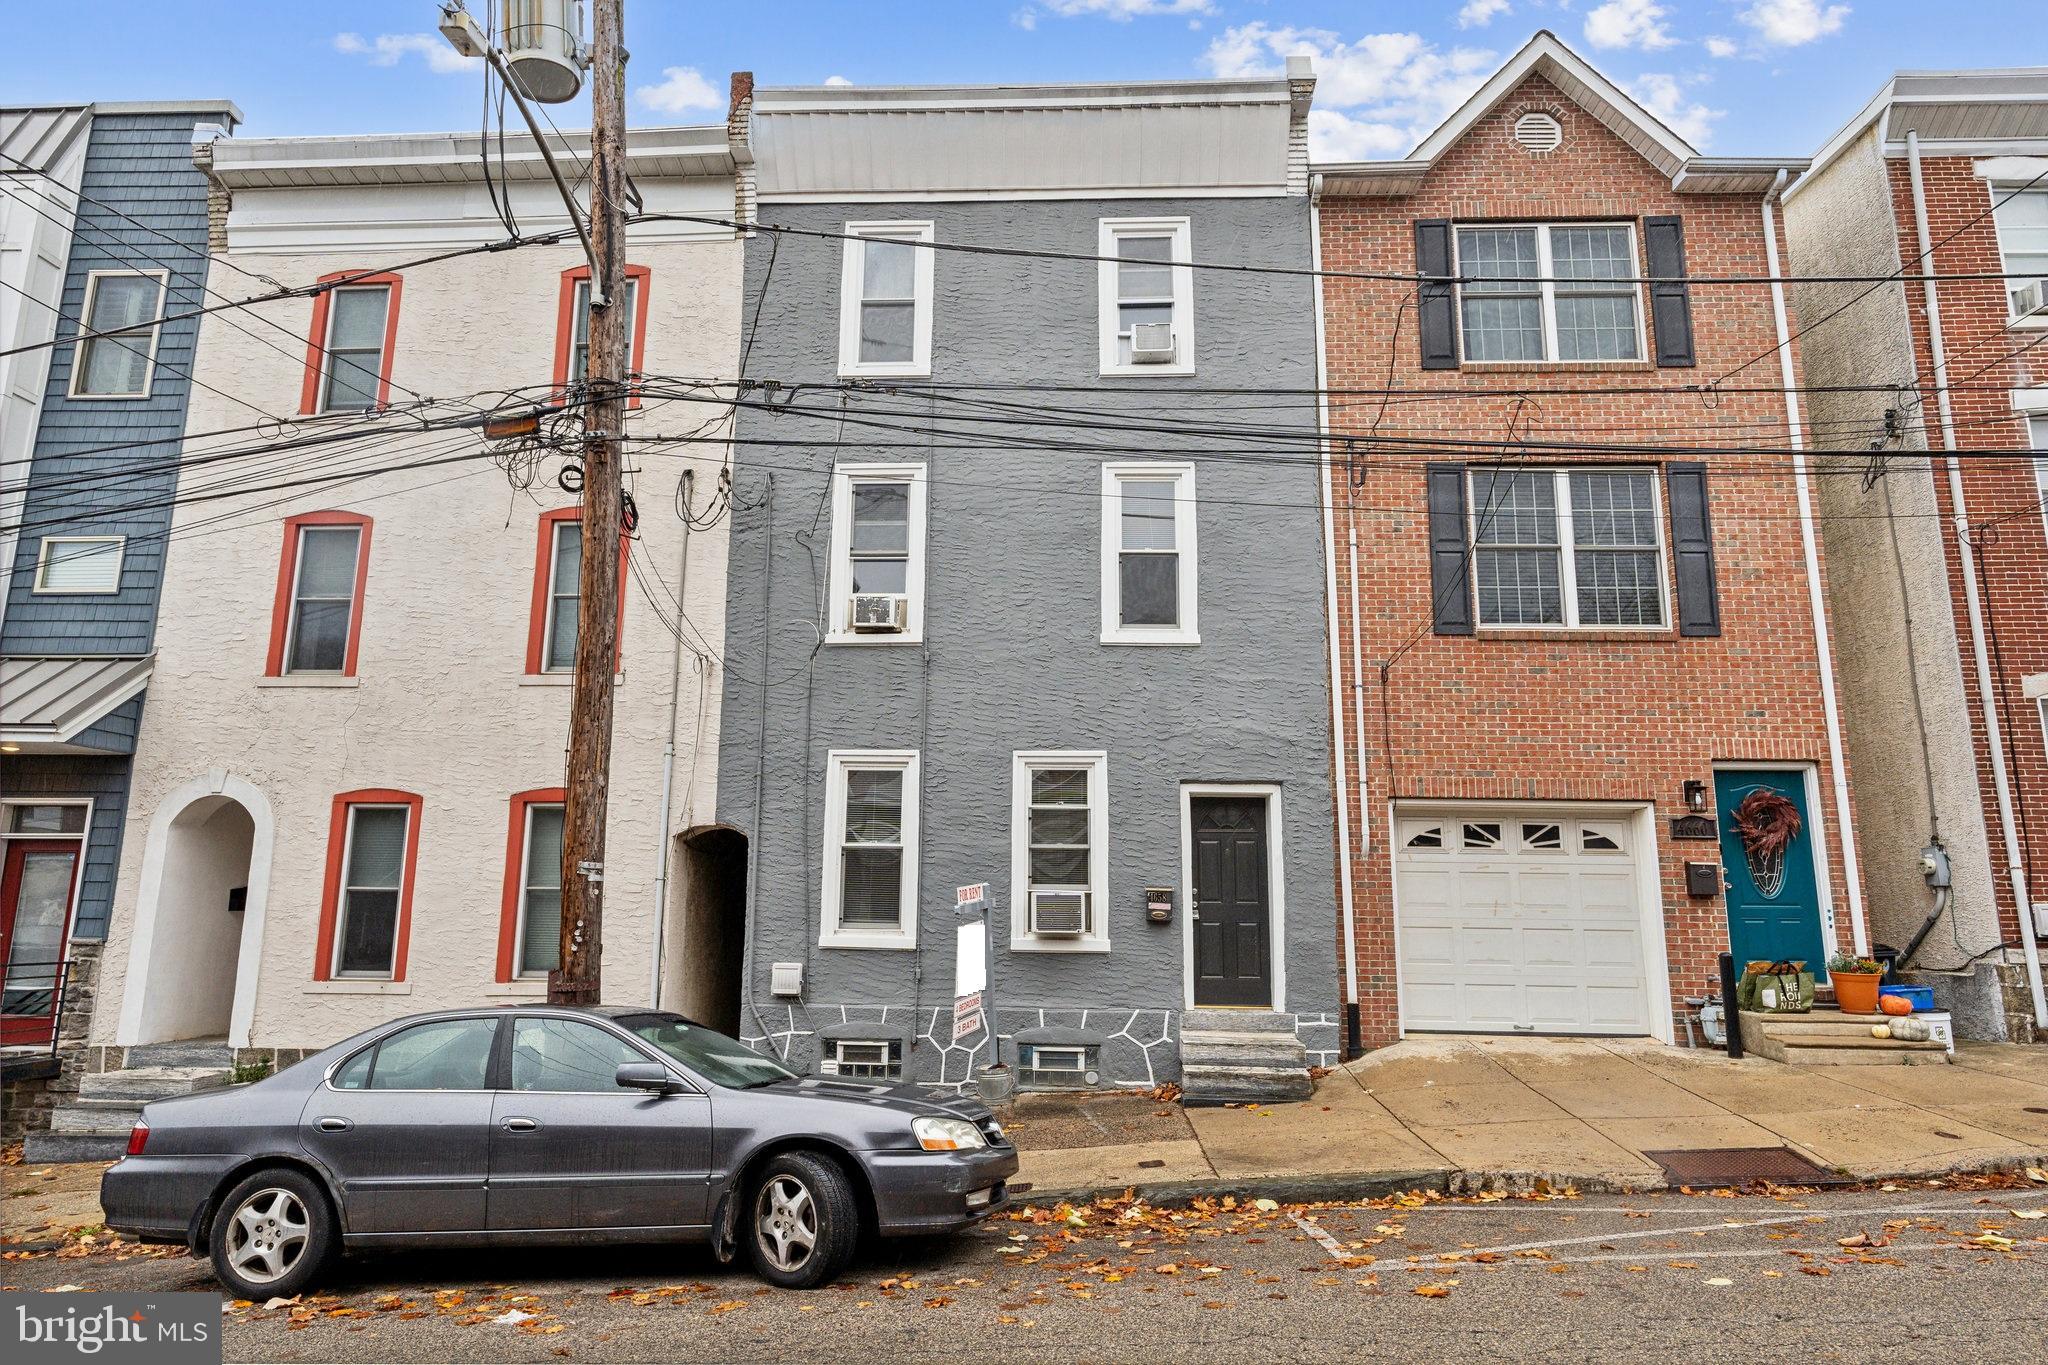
(1546, 55)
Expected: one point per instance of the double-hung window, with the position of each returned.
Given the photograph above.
(870, 872)
(1549, 291)
(1568, 547)
(539, 933)
(2037, 431)
(367, 903)
(1148, 554)
(2022, 219)
(125, 305)
(564, 571)
(323, 597)
(1147, 296)
(79, 564)
(1059, 855)
(885, 300)
(354, 356)
(877, 571)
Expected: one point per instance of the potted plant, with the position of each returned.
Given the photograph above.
(1855, 980)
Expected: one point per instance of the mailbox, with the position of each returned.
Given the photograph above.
(1702, 879)
(1159, 905)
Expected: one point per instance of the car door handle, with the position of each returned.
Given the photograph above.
(333, 1125)
(520, 1125)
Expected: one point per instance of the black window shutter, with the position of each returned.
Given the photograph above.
(1450, 579)
(1434, 311)
(1670, 304)
(1692, 549)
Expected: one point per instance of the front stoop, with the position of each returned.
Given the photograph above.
(1828, 1037)
(1241, 1056)
(94, 1126)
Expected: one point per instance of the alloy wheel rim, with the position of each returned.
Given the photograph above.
(267, 1235)
(786, 1222)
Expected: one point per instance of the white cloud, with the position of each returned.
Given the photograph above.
(1665, 96)
(682, 89)
(1793, 23)
(386, 49)
(1026, 19)
(1629, 23)
(1721, 47)
(1123, 11)
(1337, 136)
(1480, 13)
(837, 80)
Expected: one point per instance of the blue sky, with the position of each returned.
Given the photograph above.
(1739, 77)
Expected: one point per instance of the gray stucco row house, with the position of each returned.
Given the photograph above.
(1016, 593)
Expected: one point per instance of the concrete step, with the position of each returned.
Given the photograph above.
(186, 1052)
(1235, 1021)
(1210, 1084)
(1827, 1037)
(51, 1148)
(142, 1084)
(1908, 1054)
(1215, 1047)
(96, 1116)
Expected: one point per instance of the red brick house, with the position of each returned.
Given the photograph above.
(1940, 388)
(1575, 584)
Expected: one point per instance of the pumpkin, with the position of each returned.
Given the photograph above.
(1880, 1031)
(1894, 1004)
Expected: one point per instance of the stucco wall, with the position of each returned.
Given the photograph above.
(440, 706)
(1012, 658)
(1885, 558)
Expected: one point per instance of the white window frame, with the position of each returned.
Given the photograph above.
(376, 381)
(839, 626)
(343, 886)
(2000, 193)
(579, 327)
(154, 328)
(1022, 764)
(1110, 231)
(291, 605)
(58, 544)
(2037, 437)
(1188, 630)
(1568, 573)
(838, 763)
(519, 973)
(850, 297)
(833, 1062)
(1546, 273)
(569, 525)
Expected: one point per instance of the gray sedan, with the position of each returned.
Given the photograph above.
(545, 1124)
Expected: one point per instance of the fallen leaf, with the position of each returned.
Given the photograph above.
(1683, 1265)
(1431, 1291)
(1266, 1205)
(1719, 1283)
(512, 1317)
(2028, 1213)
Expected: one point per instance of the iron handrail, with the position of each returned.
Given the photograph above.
(55, 988)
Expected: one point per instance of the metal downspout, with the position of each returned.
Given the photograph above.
(1816, 596)
(1987, 695)
(1329, 499)
(668, 759)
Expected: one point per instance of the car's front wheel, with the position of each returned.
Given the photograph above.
(272, 1235)
(804, 1221)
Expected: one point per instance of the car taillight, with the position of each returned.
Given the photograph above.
(138, 1138)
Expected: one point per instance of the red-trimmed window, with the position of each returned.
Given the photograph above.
(373, 846)
(557, 567)
(316, 622)
(572, 326)
(348, 348)
(530, 922)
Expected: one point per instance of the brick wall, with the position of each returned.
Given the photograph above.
(1987, 359)
(1555, 715)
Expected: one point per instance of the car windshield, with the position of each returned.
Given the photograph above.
(714, 1056)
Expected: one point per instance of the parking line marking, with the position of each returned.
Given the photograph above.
(1322, 1236)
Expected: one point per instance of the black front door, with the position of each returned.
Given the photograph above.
(1233, 904)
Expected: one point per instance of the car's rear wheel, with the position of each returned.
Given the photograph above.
(803, 1221)
(272, 1235)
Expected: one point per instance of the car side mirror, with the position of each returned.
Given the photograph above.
(649, 1076)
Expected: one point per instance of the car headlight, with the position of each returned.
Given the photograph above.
(947, 1135)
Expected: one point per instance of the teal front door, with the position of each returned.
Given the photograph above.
(1773, 908)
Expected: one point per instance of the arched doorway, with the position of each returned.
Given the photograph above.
(701, 969)
(199, 916)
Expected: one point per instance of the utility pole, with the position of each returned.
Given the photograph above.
(576, 980)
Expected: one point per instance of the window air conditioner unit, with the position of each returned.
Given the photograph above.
(2030, 299)
(1059, 914)
(879, 613)
(1152, 343)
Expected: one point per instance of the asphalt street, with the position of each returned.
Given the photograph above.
(1904, 1273)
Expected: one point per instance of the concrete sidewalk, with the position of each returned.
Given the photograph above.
(1474, 1113)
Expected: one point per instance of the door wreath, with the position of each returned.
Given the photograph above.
(1768, 822)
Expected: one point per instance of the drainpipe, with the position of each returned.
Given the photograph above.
(668, 759)
(1987, 695)
(1329, 500)
(1816, 597)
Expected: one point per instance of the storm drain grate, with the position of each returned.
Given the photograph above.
(1735, 1167)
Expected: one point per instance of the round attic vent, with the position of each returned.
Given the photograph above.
(1538, 133)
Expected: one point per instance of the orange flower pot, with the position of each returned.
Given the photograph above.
(1856, 992)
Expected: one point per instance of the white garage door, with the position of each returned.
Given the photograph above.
(1520, 922)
